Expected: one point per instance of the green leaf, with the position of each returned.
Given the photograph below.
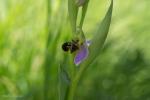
(64, 82)
(100, 36)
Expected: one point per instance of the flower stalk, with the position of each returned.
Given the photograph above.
(94, 49)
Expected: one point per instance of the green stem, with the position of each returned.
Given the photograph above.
(75, 82)
(73, 12)
(84, 10)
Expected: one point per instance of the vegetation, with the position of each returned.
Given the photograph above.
(33, 65)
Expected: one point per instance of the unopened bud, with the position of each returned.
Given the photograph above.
(80, 2)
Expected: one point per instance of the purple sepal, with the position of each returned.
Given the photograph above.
(81, 54)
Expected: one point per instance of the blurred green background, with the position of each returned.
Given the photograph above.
(31, 35)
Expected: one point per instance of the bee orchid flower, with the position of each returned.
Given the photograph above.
(82, 53)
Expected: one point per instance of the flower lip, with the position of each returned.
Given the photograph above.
(70, 46)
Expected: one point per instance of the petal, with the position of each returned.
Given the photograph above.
(81, 54)
(88, 43)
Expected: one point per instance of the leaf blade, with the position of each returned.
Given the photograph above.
(100, 36)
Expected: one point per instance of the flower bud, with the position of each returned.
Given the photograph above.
(80, 2)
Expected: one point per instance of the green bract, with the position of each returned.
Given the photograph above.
(100, 36)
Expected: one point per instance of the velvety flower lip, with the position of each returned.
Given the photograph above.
(82, 54)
